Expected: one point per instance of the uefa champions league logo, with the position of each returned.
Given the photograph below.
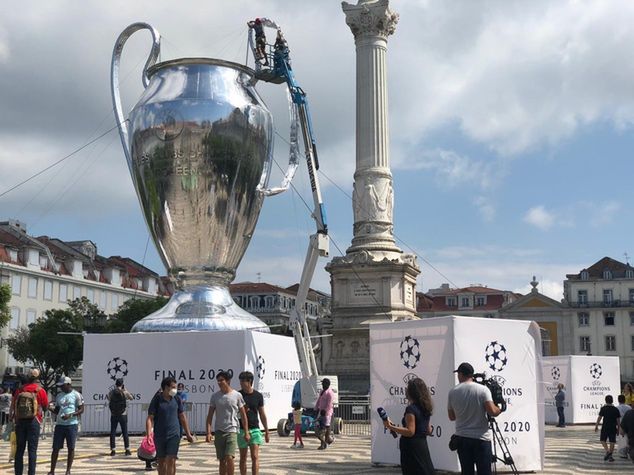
(495, 356)
(410, 352)
(260, 369)
(117, 368)
(596, 370)
(555, 372)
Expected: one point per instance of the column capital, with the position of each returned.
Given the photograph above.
(370, 18)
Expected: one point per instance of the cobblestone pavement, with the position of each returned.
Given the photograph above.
(573, 450)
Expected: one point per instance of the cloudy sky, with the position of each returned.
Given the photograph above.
(511, 129)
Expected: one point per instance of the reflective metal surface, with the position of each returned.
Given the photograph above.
(199, 148)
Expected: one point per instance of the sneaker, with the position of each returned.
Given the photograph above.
(113, 453)
(610, 458)
(127, 452)
(607, 456)
(301, 446)
(294, 446)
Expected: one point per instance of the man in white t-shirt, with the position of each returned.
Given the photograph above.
(469, 404)
(621, 439)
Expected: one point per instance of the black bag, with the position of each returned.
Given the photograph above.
(117, 403)
(454, 442)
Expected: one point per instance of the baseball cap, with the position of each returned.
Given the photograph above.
(465, 368)
(64, 380)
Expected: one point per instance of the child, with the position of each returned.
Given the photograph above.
(297, 420)
(611, 417)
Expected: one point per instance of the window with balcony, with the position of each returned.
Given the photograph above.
(16, 284)
(48, 290)
(608, 319)
(63, 293)
(480, 301)
(607, 296)
(610, 343)
(584, 344)
(582, 297)
(32, 287)
(584, 319)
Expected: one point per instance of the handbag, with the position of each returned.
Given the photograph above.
(147, 449)
(454, 442)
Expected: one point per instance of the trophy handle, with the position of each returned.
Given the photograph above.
(293, 158)
(114, 77)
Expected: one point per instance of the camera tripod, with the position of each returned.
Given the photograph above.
(498, 440)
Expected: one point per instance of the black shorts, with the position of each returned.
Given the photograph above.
(65, 433)
(607, 435)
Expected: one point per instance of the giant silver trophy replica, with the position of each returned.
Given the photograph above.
(199, 147)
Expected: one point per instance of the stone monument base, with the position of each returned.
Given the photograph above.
(365, 290)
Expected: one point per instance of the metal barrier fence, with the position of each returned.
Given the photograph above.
(96, 418)
(355, 414)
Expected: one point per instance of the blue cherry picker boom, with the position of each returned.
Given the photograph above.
(273, 65)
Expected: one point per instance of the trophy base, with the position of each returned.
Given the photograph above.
(200, 308)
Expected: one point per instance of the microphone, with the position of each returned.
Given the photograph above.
(383, 416)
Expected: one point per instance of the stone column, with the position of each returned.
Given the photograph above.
(374, 281)
(371, 22)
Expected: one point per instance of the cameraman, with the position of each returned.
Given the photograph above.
(469, 403)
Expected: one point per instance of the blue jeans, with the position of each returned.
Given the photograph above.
(26, 431)
(475, 452)
(123, 422)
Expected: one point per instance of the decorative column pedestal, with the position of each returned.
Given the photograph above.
(375, 281)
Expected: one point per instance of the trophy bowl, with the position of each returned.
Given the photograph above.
(199, 148)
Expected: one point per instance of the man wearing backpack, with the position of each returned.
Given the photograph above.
(27, 408)
(118, 404)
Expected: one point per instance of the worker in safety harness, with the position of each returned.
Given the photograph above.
(260, 38)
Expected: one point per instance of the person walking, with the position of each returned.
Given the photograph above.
(560, 399)
(69, 405)
(628, 392)
(118, 404)
(184, 396)
(611, 419)
(165, 415)
(28, 406)
(5, 406)
(470, 404)
(621, 438)
(298, 443)
(627, 429)
(254, 407)
(415, 427)
(324, 407)
(228, 407)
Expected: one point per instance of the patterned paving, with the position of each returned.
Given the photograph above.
(574, 450)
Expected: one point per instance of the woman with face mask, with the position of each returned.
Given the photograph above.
(166, 415)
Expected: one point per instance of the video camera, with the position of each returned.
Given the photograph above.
(494, 387)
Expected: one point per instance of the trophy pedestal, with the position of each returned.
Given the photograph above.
(200, 308)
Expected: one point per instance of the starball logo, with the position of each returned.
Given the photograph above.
(596, 371)
(555, 372)
(260, 369)
(410, 352)
(117, 368)
(495, 356)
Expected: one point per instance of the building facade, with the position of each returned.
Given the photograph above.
(601, 300)
(45, 273)
(473, 301)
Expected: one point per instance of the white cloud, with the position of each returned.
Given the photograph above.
(601, 214)
(540, 217)
(550, 288)
(485, 207)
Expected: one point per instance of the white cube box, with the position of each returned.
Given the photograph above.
(193, 358)
(506, 350)
(587, 380)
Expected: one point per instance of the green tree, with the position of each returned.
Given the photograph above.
(94, 319)
(53, 344)
(5, 297)
(131, 312)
